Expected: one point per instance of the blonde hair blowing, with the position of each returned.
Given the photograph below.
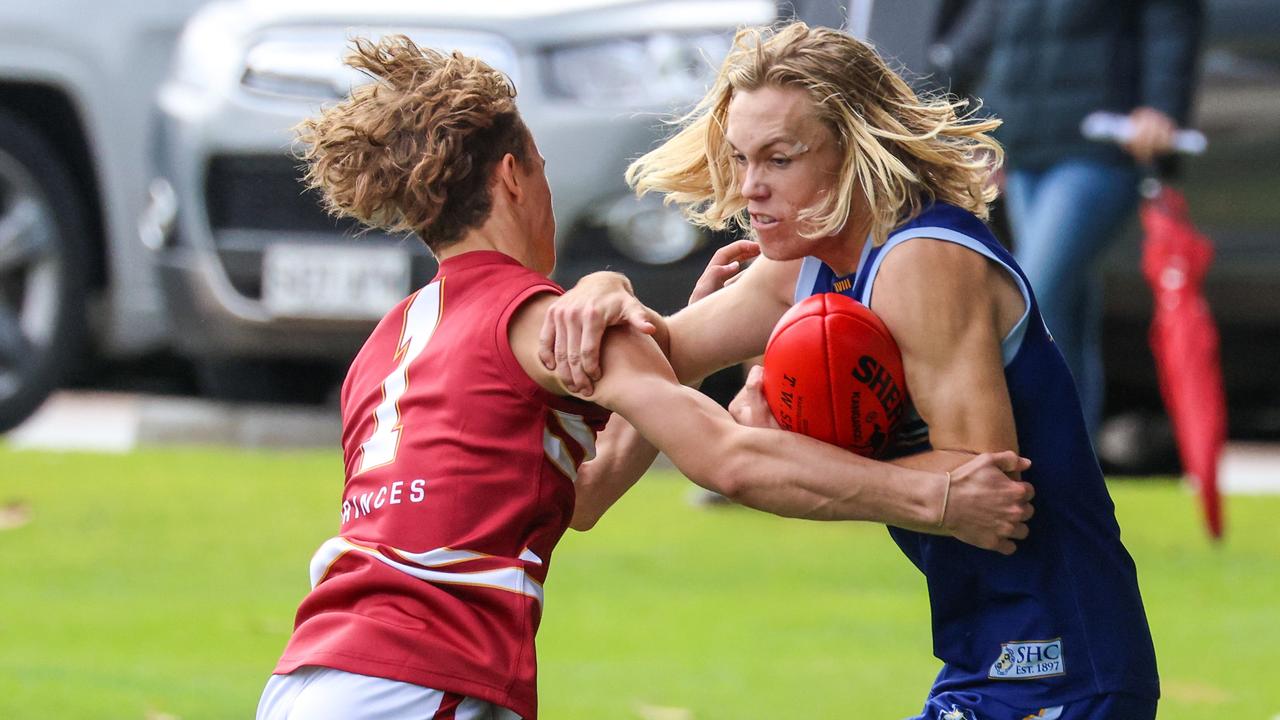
(414, 150)
(901, 151)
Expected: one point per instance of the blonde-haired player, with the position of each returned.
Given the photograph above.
(851, 183)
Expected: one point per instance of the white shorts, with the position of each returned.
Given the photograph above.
(320, 693)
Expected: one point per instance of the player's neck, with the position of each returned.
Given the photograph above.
(494, 235)
(843, 251)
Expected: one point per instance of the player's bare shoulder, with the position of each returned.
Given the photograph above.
(919, 264)
(925, 282)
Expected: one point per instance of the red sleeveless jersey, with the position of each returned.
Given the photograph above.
(459, 483)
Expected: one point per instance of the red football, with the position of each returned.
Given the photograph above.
(832, 371)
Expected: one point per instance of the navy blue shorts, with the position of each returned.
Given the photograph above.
(973, 706)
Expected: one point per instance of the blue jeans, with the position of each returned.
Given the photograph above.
(1063, 217)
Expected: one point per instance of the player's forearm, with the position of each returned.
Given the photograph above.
(661, 333)
(780, 472)
(773, 470)
(790, 474)
(693, 356)
(934, 460)
(622, 457)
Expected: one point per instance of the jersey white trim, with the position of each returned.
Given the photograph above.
(511, 579)
(556, 451)
(581, 433)
(1012, 342)
(334, 693)
(809, 268)
(575, 426)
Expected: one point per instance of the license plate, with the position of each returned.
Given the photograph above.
(323, 281)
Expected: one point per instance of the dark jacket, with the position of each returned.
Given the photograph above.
(1054, 61)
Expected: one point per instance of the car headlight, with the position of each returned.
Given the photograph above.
(658, 69)
(309, 63)
(298, 66)
(207, 48)
(649, 231)
(205, 61)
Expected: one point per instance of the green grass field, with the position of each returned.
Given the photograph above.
(162, 585)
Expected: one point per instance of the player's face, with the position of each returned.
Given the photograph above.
(541, 219)
(786, 160)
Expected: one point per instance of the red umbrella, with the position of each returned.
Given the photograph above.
(1184, 340)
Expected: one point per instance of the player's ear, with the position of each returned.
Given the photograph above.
(507, 176)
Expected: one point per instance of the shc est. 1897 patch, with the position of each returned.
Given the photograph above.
(1027, 659)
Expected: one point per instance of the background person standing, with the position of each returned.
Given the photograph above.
(1051, 63)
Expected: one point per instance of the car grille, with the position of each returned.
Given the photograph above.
(264, 192)
(256, 200)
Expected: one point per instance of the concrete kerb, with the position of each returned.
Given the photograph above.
(118, 422)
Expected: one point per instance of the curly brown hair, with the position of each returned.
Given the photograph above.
(413, 151)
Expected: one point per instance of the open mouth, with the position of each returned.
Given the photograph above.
(760, 221)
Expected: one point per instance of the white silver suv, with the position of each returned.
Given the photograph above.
(255, 273)
(77, 87)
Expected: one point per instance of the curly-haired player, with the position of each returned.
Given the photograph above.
(461, 450)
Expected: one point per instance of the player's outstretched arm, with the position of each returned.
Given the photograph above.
(772, 470)
(984, 508)
(782, 472)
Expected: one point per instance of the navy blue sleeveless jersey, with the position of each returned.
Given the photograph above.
(1061, 618)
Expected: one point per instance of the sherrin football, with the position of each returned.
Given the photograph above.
(832, 371)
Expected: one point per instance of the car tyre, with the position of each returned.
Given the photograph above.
(43, 270)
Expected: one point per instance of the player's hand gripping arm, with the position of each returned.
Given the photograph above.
(622, 454)
(571, 330)
(717, 329)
